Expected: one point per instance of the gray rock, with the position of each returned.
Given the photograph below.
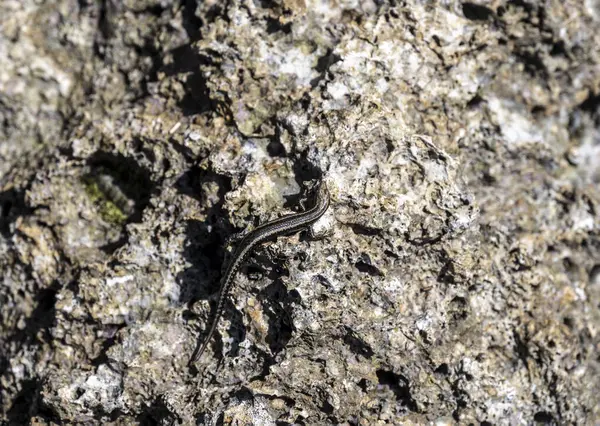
(457, 281)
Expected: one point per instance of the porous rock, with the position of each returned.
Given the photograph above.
(456, 280)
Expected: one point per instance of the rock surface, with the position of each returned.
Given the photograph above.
(458, 281)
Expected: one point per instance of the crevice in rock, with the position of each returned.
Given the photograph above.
(356, 344)
(476, 12)
(400, 386)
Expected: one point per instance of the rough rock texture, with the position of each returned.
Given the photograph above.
(459, 278)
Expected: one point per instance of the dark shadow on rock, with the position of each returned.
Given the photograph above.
(42, 318)
(113, 332)
(186, 64)
(356, 344)
(400, 386)
(37, 325)
(28, 403)
(205, 242)
(278, 303)
(12, 205)
(323, 64)
(158, 413)
(305, 170)
(25, 404)
(365, 265)
(191, 23)
(275, 148)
